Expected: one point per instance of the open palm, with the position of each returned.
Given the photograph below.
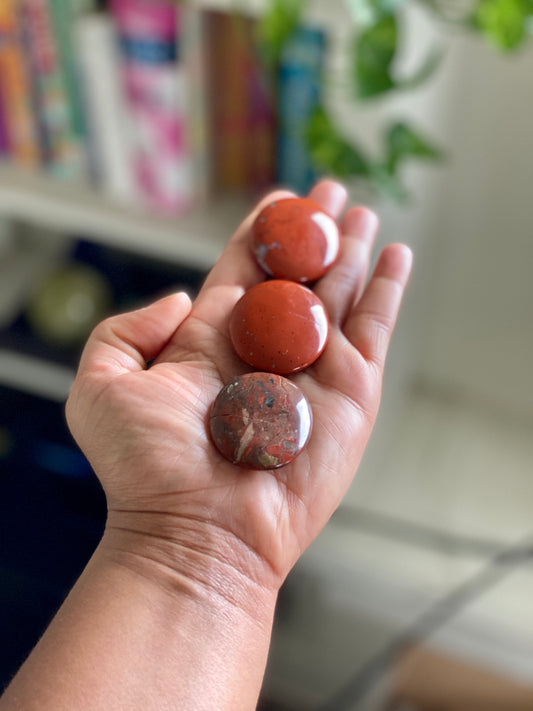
(145, 429)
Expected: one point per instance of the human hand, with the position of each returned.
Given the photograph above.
(172, 499)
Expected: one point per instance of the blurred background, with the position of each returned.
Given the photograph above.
(134, 136)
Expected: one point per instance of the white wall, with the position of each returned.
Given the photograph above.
(472, 226)
(452, 447)
(467, 324)
(480, 335)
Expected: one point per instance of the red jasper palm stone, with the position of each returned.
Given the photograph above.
(295, 239)
(279, 326)
(260, 421)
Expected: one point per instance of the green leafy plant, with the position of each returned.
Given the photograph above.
(377, 36)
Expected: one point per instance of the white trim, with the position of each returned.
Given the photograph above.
(35, 376)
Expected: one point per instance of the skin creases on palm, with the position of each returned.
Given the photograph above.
(145, 432)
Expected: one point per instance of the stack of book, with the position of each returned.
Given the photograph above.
(158, 103)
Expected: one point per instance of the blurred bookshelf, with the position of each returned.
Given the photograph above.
(135, 135)
(146, 128)
(126, 131)
(196, 238)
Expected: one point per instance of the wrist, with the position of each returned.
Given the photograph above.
(195, 559)
(138, 631)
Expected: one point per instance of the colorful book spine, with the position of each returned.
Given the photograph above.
(109, 139)
(65, 13)
(156, 92)
(298, 93)
(4, 136)
(229, 44)
(196, 66)
(243, 107)
(62, 150)
(16, 90)
(262, 111)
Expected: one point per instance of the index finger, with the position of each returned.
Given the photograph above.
(236, 266)
(237, 271)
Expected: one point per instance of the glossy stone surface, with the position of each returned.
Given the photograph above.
(279, 326)
(260, 421)
(295, 239)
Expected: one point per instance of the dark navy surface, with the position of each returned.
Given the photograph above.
(52, 508)
(133, 281)
(52, 514)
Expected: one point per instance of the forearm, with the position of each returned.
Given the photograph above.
(136, 634)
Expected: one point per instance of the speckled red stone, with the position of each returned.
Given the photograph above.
(260, 421)
(279, 326)
(295, 239)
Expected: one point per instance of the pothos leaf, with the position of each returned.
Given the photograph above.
(276, 26)
(330, 151)
(403, 141)
(503, 22)
(334, 154)
(387, 183)
(368, 12)
(423, 73)
(374, 53)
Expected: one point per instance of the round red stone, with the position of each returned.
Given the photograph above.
(295, 239)
(279, 326)
(260, 421)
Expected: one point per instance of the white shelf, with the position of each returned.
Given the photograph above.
(35, 375)
(195, 239)
(249, 7)
(317, 11)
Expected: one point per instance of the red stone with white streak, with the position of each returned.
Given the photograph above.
(260, 421)
(295, 239)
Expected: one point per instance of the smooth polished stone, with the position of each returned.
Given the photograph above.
(295, 239)
(279, 326)
(260, 421)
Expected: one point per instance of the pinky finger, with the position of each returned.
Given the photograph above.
(371, 322)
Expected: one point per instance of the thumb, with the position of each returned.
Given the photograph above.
(125, 343)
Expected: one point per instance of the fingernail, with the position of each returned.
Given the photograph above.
(360, 222)
(338, 196)
(331, 195)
